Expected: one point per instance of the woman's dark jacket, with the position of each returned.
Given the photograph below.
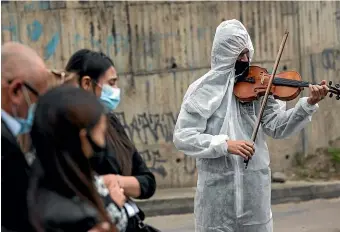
(53, 211)
(56, 209)
(106, 163)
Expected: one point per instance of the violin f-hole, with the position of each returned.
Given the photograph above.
(262, 78)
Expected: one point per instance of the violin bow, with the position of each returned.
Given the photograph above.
(264, 101)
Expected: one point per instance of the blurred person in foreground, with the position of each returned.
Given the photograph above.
(65, 194)
(216, 128)
(24, 77)
(57, 78)
(121, 164)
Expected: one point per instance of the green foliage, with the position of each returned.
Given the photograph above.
(335, 153)
(323, 164)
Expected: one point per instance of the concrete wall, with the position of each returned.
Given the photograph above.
(159, 48)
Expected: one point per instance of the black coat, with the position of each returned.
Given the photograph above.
(56, 210)
(106, 163)
(59, 213)
(14, 183)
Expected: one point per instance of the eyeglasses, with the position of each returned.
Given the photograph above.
(29, 87)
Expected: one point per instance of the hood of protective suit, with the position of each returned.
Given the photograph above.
(206, 93)
(231, 38)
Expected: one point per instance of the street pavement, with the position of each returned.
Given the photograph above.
(310, 216)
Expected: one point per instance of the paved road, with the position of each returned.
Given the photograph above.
(312, 216)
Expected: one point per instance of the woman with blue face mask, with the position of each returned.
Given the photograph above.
(96, 74)
(121, 163)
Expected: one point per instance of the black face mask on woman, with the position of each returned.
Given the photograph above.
(95, 147)
(241, 69)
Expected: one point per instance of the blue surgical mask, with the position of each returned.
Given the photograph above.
(110, 97)
(26, 124)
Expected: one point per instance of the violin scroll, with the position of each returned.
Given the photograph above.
(334, 90)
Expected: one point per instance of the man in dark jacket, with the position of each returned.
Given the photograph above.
(23, 78)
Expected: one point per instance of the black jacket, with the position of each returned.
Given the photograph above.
(14, 183)
(106, 163)
(59, 213)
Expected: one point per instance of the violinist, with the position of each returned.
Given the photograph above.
(214, 127)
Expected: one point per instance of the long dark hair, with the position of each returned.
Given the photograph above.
(60, 115)
(94, 64)
(123, 146)
(85, 62)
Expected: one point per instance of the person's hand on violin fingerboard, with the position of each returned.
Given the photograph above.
(317, 92)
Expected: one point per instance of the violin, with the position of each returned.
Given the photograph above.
(286, 85)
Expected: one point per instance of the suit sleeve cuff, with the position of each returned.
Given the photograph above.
(310, 109)
(219, 142)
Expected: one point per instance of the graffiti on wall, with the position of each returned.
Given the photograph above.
(331, 59)
(148, 128)
(35, 33)
(151, 129)
(119, 43)
(154, 161)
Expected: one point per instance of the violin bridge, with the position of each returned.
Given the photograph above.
(262, 79)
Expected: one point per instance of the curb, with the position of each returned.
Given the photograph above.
(305, 193)
(280, 194)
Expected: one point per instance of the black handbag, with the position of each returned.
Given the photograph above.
(143, 227)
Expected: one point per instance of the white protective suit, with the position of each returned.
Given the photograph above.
(229, 197)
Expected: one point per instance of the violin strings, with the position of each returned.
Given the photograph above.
(287, 82)
(296, 83)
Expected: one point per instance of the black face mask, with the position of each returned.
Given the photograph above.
(95, 147)
(242, 68)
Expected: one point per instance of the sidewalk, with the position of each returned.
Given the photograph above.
(181, 200)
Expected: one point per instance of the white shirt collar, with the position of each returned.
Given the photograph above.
(12, 124)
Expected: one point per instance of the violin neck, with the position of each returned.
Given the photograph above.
(290, 83)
